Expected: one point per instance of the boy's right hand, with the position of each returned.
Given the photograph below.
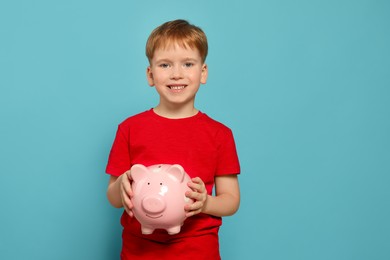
(126, 192)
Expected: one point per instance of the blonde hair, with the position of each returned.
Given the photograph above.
(179, 32)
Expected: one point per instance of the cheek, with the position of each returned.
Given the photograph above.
(194, 76)
(159, 78)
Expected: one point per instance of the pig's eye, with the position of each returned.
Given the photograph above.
(160, 183)
(148, 183)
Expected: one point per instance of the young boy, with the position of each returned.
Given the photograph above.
(175, 132)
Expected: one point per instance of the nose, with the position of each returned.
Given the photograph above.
(153, 204)
(176, 72)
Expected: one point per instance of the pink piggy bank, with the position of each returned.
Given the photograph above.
(159, 197)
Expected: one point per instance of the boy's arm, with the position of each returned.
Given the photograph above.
(225, 202)
(119, 192)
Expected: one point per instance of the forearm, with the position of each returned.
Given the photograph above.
(221, 205)
(227, 197)
(113, 192)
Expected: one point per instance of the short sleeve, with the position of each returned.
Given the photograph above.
(228, 162)
(119, 158)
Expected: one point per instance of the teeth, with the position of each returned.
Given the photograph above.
(176, 87)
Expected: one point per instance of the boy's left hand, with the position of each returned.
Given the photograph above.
(198, 195)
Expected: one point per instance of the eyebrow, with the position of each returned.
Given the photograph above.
(183, 60)
(190, 59)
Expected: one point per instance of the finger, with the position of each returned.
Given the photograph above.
(126, 186)
(196, 187)
(197, 184)
(192, 212)
(196, 206)
(197, 180)
(196, 196)
(127, 205)
(129, 175)
(127, 202)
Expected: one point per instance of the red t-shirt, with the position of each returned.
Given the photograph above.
(203, 146)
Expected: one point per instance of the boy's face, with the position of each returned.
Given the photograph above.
(176, 73)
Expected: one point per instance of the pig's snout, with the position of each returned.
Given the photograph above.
(153, 204)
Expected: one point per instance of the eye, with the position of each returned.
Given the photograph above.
(148, 183)
(164, 65)
(188, 64)
(160, 183)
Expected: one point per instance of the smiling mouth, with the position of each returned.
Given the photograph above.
(177, 88)
(154, 216)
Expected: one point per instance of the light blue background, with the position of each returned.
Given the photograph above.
(304, 85)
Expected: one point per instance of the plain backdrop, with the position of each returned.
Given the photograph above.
(304, 85)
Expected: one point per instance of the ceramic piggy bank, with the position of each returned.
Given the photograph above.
(159, 197)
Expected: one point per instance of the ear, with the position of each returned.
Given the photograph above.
(138, 172)
(149, 76)
(205, 72)
(176, 172)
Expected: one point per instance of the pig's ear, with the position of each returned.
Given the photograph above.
(138, 171)
(177, 172)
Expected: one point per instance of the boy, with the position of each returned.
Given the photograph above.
(175, 132)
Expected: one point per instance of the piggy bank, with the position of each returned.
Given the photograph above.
(159, 196)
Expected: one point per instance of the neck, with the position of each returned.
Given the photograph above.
(175, 112)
